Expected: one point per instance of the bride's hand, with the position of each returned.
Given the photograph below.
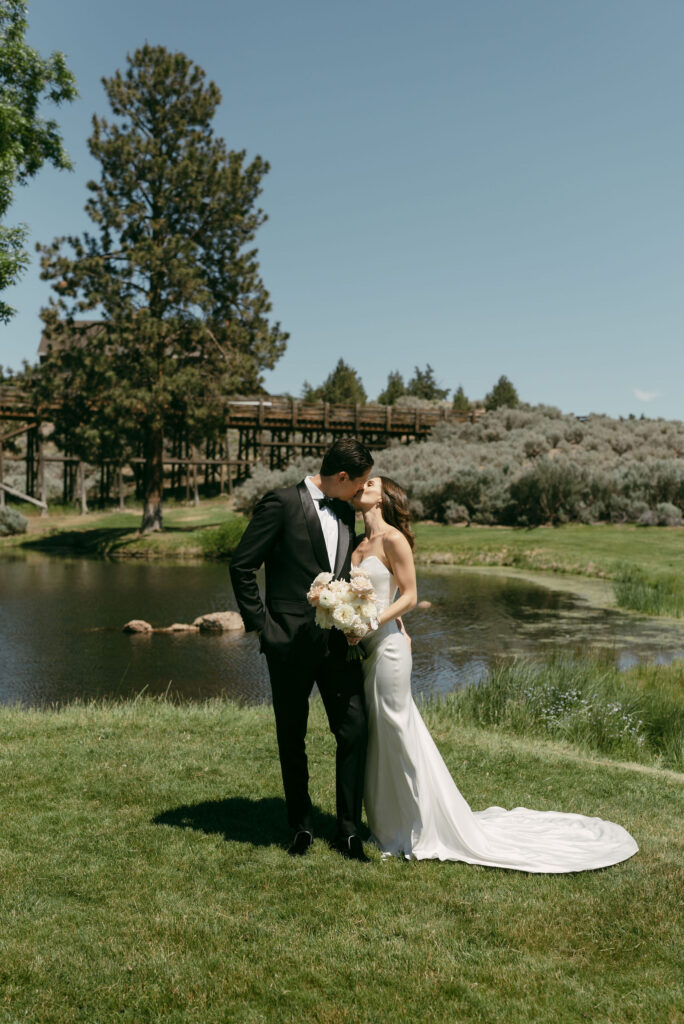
(402, 629)
(353, 640)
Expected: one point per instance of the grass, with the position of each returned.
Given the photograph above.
(115, 534)
(598, 550)
(144, 880)
(588, 701)
(659, 595)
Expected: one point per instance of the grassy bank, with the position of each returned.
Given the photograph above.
(144, 879)
(636, 714)
(189, 533)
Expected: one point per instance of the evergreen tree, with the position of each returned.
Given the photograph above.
(169, 271)
(424, 385)
(502, 394)
(461, 401)
(27, 141)
(395, 389)
(342, 386)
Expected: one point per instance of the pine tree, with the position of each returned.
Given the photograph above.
(502, 394)
(424, 385)
(27, 141)
(169, 270)
(395, 389)
(461, 401)
(342, 386)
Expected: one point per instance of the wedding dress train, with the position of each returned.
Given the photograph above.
(414, 807)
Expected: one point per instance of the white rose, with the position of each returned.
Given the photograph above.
(322, 579)
(360, 584)
(327, 598)
(343, 616)
(366, 609)
(324, 618)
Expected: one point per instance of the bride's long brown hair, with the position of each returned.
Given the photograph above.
(395, 510)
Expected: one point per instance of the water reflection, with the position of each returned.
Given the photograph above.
(60, 631)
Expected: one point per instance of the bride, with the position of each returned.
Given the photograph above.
(414, 807)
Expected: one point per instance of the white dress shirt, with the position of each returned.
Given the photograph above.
(328, 520)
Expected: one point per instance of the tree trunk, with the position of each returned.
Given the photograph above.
(122, 500)
(153, 450)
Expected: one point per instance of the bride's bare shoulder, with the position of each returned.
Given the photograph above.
(394, 542)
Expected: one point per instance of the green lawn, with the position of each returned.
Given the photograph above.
(144, 879)
(596, 550)
(115, 534)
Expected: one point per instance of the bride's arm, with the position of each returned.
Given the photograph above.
(400, 557)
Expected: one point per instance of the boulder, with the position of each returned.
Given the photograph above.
(179, 627)
(137, 626)
(218, 622)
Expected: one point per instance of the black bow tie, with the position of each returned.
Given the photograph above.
(326, 503)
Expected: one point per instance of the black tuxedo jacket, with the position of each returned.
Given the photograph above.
(285, 536)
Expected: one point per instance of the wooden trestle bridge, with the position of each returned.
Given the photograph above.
(262, 429)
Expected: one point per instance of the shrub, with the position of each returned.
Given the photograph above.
(222, 541)
(11, 521)
(668, 515)
(485, 468)
(264, 479)
(454, 513)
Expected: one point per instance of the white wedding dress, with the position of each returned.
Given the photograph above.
(413, 806)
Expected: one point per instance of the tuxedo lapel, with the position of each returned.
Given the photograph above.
(313, 525)
(342, 545)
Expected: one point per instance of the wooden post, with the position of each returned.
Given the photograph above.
(229, 470)
(195, 475)
(81, 486)
(42, 490)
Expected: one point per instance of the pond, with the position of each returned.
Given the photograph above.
(61, 638)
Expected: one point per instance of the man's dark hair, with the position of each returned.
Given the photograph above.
(348, 455)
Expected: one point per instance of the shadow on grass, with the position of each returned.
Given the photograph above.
(99, 542)
(239, 819)
(83, 542)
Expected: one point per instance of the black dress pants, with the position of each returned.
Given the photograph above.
(341, 687)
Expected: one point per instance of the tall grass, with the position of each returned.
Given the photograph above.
(661, 595)
(585, 701)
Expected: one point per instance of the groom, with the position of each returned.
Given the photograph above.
(298, 532)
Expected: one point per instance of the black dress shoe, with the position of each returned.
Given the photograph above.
(351, 847)
(301, 843)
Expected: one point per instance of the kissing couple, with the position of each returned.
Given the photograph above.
(386, 758)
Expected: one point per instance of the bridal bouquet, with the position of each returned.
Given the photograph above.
(347, 606)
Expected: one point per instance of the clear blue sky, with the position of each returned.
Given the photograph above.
(485, 185)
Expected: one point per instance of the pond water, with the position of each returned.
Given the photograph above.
(60, 630)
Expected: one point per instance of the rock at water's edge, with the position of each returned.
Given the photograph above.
(137, 626)
(217, 622)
